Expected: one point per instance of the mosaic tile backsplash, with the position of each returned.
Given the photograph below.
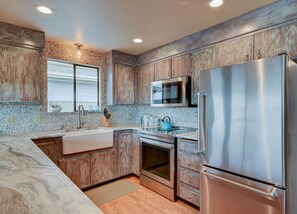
(26, 118)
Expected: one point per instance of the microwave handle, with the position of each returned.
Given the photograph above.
(201, 123)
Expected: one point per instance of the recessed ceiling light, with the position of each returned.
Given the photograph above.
(216, 3)
(44, 9)
(137, 40)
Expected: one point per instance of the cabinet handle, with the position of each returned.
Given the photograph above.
(247, 56)
(259, 54)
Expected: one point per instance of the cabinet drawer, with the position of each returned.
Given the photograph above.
(188, 146)
(189, 177)
(188, 193)
(187, 161)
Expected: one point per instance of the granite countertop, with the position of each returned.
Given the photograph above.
(31, 183)
(189, 136)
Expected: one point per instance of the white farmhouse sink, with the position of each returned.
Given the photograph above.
(87, 140)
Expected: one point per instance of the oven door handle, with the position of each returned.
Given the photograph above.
(155, 143)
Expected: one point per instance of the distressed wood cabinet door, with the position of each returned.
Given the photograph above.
(234, 51)
(103, 165)
(145, 77)
(125, 142)
(182, 66)
(135, 153)
(20, 78)
(202, 59)
(78, 169)
(163, 69)
(275, 41)
(52, 147)
(124, 84)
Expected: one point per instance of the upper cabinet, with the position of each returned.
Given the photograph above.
(22, 64)
(202, 60)
(20, 75)
(120, 78)
(163, 69)
(145, 76)
(124, 84)
(234, 51)
(182, 65)
(275, 41)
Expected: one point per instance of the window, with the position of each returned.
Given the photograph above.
(71, 85)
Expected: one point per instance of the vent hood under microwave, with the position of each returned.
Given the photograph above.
(174, 92)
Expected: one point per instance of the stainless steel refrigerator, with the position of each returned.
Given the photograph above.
(247, 138)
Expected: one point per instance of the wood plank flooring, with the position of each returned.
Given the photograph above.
(145, 201)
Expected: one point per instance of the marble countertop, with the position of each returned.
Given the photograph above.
(31, 183)
(189, 136)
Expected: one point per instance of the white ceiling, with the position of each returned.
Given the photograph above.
(112, 24)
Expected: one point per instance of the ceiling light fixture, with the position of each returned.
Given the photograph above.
(44, 9)
(137, 40)
(79, 46)
(216, 3)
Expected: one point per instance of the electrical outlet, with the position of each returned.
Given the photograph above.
(129, 115)
(9, 119)
(37, 119)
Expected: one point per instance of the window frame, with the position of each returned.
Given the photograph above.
(74, 64)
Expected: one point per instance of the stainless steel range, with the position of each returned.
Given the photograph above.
(158, 159)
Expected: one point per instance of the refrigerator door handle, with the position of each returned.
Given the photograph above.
(201, 123)
(273, 194)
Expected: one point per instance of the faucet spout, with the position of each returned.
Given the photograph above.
(80, 111)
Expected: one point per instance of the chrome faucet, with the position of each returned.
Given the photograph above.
(79, 111)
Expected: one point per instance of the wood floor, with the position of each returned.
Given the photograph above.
(145, 201)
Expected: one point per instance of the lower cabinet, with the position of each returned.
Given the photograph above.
(188, 167)
(78, 169)
(95, 167)
(52, 147)
(103, 165)
(128, 152)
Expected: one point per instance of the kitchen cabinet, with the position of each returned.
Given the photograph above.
(163, 69)
(182, 66)
(120, 78)
(135, 153)
(145, 76)
(52, 147)
(124, 84)
(275, 41)
(128, 152)
(188, 167)
(234, 51)
(124, 140)
(20, 74)
(104, 165)
(202, 60)
(78, 169)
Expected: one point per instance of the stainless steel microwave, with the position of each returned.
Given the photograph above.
(174, 92)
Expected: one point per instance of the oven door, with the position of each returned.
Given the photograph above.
(157, 161)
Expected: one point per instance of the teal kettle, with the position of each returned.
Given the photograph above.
(166, 123)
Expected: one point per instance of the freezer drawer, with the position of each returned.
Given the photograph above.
(224, 193)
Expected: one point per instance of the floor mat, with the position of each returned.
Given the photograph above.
(111, 191)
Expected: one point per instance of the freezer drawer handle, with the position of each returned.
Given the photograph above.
(272, 194)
